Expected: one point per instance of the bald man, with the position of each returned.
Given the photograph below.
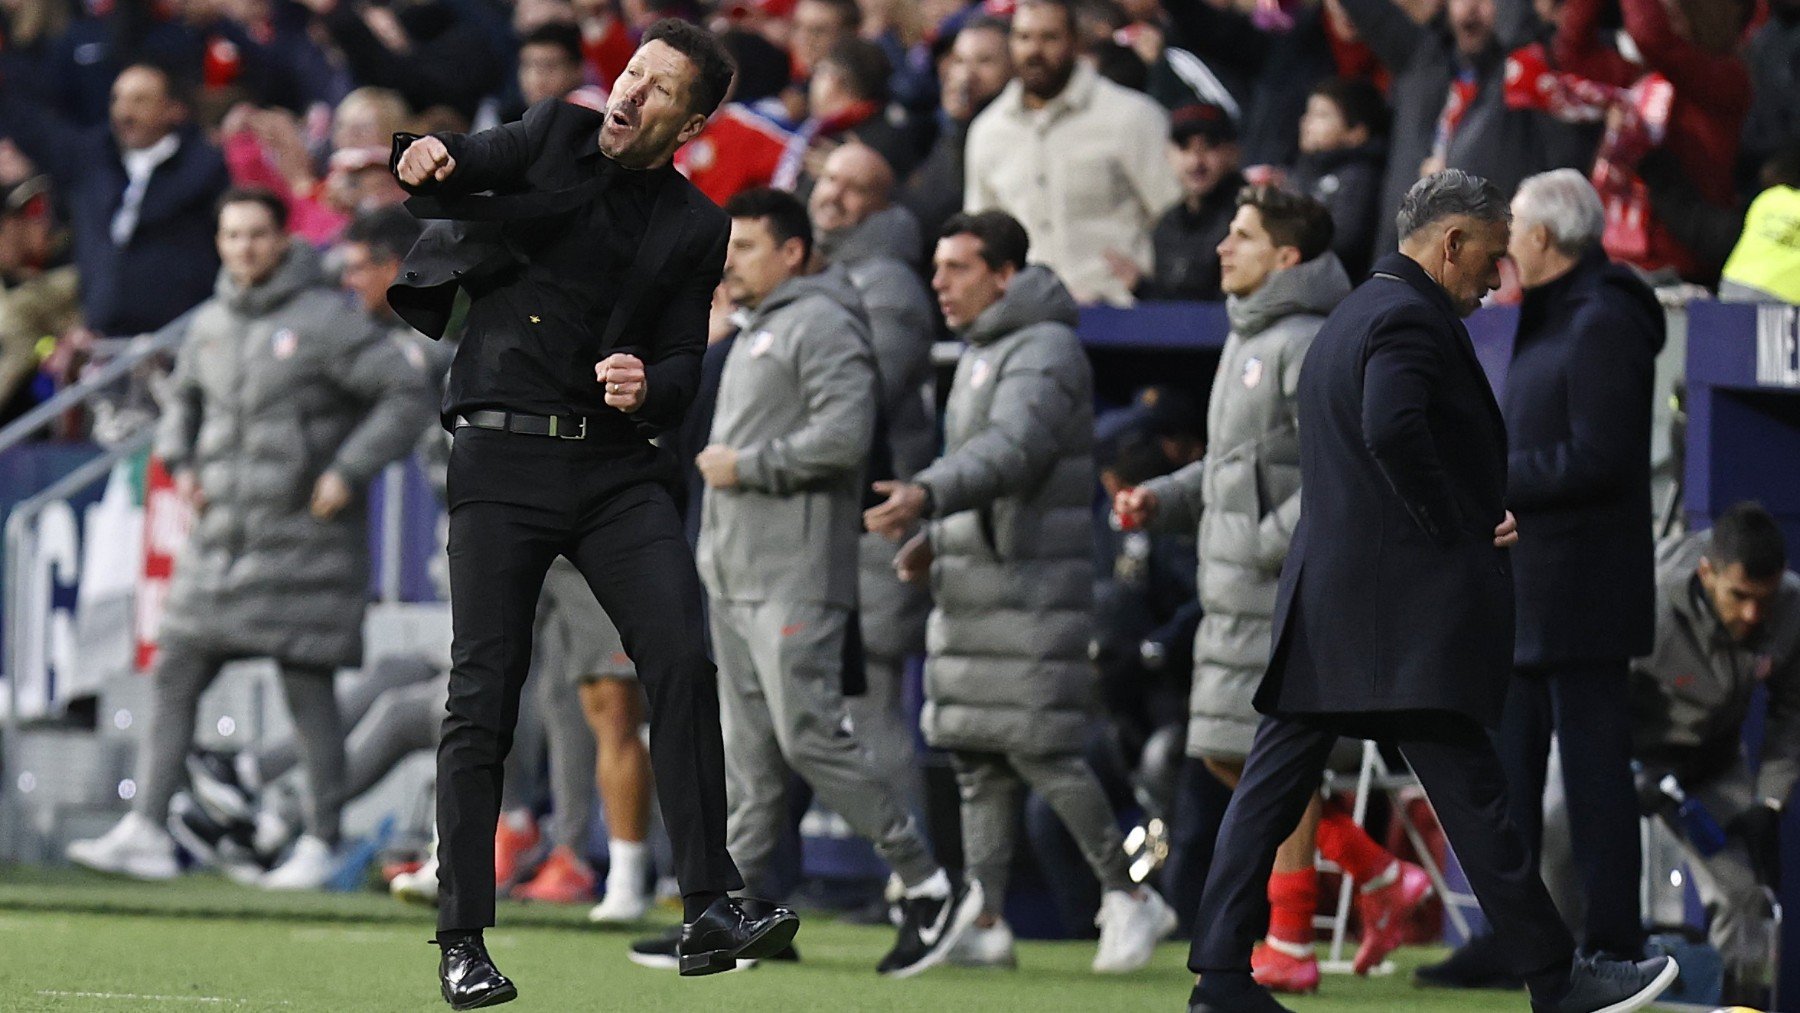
(878, 244)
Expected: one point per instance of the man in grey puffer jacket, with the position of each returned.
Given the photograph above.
(879, 247)
(1008, 684)
(778, 549)
(1282, 279)
(285, 402)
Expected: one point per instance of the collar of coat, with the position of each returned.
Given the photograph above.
(1408, 270)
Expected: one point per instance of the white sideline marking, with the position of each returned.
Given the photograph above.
(135, 997)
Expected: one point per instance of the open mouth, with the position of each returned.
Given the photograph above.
(620, 119)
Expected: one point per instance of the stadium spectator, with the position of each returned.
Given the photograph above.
(1773, 58)
(140, 195)
(1449, 97)
(1203, 149)
(1727, 621)
(1244, 498)
(1577, 407)
(285, 402)
(778, 552)
(848, 102)
(815, 28)
(1008, 684)
(433, 52)
(39, 298)
(1258, 66)
(550, 66)
(1343, 149)
(1693, 45)
(878, 245)
(974, 71)
(1074, 157)
(1765, 264)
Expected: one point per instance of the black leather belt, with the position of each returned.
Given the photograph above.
(565, 427)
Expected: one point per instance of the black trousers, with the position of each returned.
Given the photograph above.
(1587, 707)
(516, 503)
(1455, 762)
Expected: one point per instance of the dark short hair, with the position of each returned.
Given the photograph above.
(786, 216)
(1070, 16)
(1747, 534)
(177, 83)
(389, 232)
(848, 11)
(1358, 102)
(277, 207)
(864, 67)
(1291, 219)
(1003, 240)
(985, 23)
(557, 34)
(713, 65)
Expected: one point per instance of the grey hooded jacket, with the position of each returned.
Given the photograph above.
(797, 401)
(881, 256)
(274, 386)
(1013, 572)
(1245, 495)
(1691, 694)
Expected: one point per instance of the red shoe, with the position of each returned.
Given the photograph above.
(1280, 971)
(511, 844)
(1384, 913)
(562, 879)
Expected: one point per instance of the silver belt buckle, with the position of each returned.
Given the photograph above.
(556, 425)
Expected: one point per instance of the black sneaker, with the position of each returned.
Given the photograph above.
(1601, 985)
(661, 953)
(929, 929)
(1478, 963)
(219, 787)
(227, 846)
(1232, 993)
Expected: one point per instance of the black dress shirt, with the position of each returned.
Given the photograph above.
(534, 333)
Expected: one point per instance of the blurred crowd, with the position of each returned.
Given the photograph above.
(925, 170)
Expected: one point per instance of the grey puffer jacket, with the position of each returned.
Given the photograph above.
(1245, 495)
(881, 255)
(797, 401)
(276, 385)
(1008, 667)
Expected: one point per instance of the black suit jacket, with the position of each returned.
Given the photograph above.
(510, 187)
(1578, 398)
(1393, 597)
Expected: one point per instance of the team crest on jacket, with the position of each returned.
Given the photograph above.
(979, 372)
(760, 343)
(285, 343)
(1253, 372)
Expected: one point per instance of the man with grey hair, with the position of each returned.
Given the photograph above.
(1393, 620)
(1577, 411)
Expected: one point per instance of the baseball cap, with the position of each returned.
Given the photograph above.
(1202, 119)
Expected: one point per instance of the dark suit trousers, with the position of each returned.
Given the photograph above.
(1586, 707)
(517, 502)
(1455, 762)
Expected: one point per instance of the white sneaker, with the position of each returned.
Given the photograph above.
(308, 867)
(1130, 928)
(619, 907)
(989, 947)
(134, 847)
(419, 886)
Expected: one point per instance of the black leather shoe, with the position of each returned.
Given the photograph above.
(469, 978)
(1232, 993)
(1481, 962)
(732, 928)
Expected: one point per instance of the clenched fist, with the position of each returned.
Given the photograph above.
(623, 375)
(425, 160)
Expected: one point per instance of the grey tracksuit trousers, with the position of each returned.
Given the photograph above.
(992, 787)
(782, 705)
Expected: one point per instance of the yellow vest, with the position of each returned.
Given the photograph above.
(1767, 256)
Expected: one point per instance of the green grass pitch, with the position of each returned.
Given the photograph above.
(72, 941)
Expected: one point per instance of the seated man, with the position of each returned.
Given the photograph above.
(1728, 617)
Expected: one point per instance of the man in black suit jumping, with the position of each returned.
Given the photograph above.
(1394, 618)
(590, 264)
